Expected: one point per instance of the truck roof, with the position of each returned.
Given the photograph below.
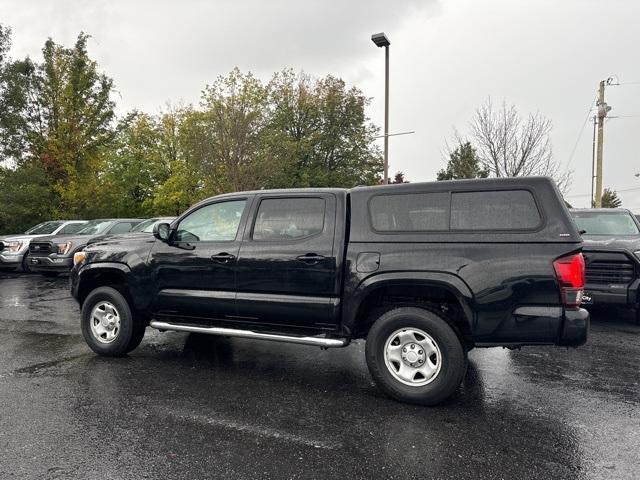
(485, 183)
(556, 222)
(280, 190)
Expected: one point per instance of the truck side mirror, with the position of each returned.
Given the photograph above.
(162, 231)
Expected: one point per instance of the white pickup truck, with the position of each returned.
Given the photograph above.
(14, 249)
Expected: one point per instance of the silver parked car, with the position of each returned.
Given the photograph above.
(14, 249)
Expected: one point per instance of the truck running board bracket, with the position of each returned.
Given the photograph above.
(232, 332)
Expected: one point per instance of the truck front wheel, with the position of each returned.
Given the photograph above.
(415, 356)
(108, 324)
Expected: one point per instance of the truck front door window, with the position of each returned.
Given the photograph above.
(217, 222)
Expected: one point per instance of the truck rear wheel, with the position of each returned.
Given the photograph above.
(415, 356)
(108, 324)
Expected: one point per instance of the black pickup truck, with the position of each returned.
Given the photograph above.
(612, 257)
(423, 272)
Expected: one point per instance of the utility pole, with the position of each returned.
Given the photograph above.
(593, 162)
(603, 109)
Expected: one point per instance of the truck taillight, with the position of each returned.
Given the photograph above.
(570, 273)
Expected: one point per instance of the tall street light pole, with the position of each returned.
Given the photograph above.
(381, 40)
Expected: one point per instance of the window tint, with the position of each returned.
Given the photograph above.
(499, 210)
(72, 228)
(217, 222)
(122, 227)
(289, 218)
(410, 212)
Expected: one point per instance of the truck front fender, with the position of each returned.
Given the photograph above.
(94, 275)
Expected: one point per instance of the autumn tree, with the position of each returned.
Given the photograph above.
(463, 163)
(57, 115)
(63, 153)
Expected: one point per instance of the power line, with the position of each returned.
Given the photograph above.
(575, 146)
(617, 191)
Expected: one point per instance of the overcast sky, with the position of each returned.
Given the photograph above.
(447, 57)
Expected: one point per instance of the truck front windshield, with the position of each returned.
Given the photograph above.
(606, 223)
(46, 228)
(145, 227)
(95, 227)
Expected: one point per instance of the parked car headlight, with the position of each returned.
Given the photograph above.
(63, 248)
(13, 246)
(79, 257)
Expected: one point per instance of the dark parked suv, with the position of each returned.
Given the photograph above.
(612, 256)
(53, 254)
(423, 272)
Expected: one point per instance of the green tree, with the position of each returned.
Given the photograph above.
(463, 163)
(292, 132)
(319, 135)
(58, 115)
(185, 147)
(5, 44)
(610, 199)
(60, 142)
(26, 198)
(399, 178)
(133, 167)
(229, 132)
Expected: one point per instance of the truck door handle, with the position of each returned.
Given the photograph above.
(310, 258)
(223, 257)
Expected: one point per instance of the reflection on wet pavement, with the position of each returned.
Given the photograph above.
(193, 406)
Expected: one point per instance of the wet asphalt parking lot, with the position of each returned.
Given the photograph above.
(186, 406)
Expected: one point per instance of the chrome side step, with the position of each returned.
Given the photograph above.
(232, 332)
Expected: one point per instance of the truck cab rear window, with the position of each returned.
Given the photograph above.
(494, 210)
(289, 218)
(410, 212)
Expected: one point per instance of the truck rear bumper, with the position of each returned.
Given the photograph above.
(619, 295)
(575, 328)
(540, 325)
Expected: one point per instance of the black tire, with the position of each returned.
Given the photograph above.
(50, 274)
(130, 332)
(453, 362)
(25, 262)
